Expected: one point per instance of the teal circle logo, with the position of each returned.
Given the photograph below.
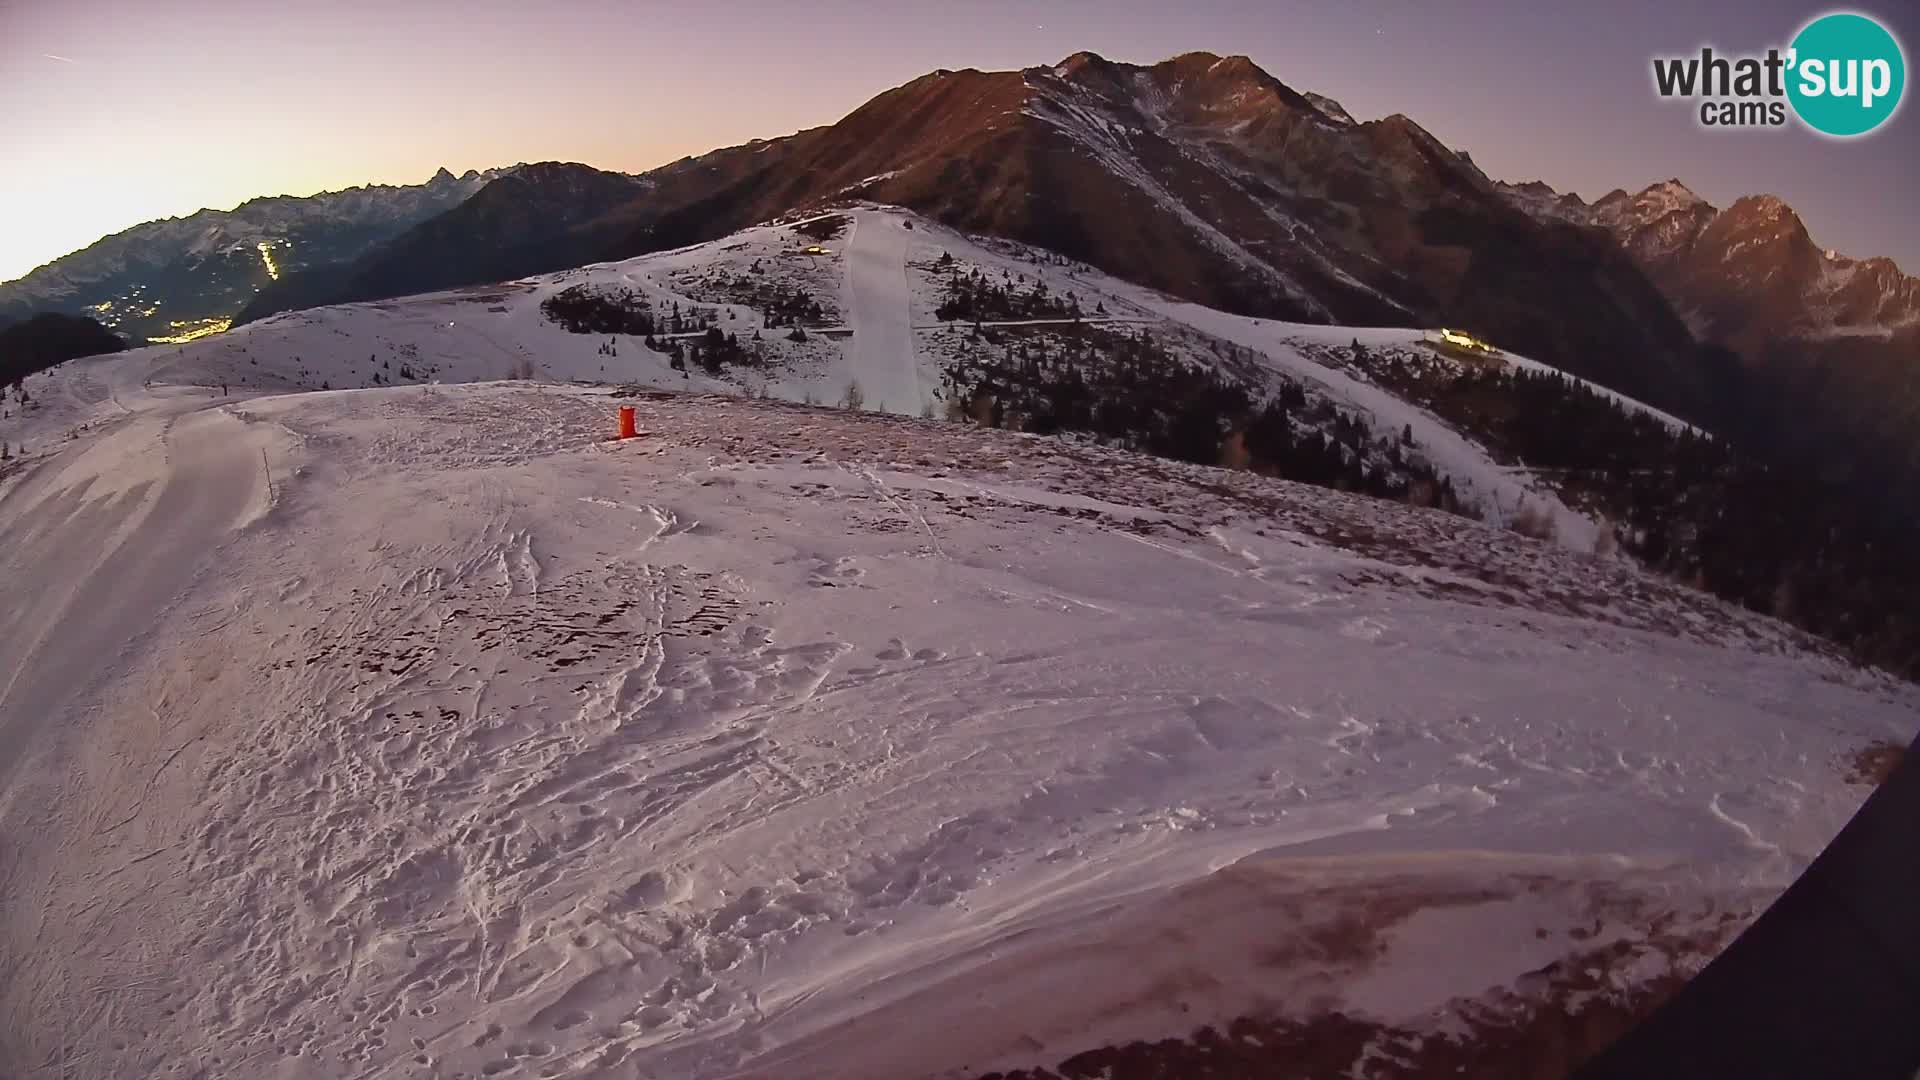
(1847, 74)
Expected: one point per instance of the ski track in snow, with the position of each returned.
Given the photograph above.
(883, 351)
(419, 732)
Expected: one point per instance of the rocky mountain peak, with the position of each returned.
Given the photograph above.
(1768, 209)
(1215, 81)
(1231, 67)
(1625, 214)
(1757, 220)
(1612, 201)
(1673, 193)
(1331, 109)
(1081, 62)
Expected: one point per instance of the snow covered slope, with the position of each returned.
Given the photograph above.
(419, 731)
(878, 284)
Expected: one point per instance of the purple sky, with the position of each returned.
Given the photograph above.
(114, 112)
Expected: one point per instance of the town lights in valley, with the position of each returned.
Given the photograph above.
(192, 330)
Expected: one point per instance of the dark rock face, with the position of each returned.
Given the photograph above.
(1827, 347)
(51, 338)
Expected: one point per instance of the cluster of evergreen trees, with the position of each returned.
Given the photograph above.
(690, 337)
(587, 309)
(779, 305)
(1127, 389)
(975, 297)
(823, 229)
(1766, 530)
(584, 309)
(712, 352)
(792, 307)
(383, 376)
(1544, 420)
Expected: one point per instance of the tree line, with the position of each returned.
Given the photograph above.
(1128, 389)
(1772, 532)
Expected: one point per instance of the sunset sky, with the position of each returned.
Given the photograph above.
(119, 111)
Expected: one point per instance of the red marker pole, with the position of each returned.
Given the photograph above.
(627, 430)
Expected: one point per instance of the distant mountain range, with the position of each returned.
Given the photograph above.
(1202, 176)
(190, 274)
(527, 220)
(1828, 346)
(1744, 275)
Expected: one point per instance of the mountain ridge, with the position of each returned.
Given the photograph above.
(488, 237)
(1237, 191)
(1825, 347)
(1665, 225)
(198, 268)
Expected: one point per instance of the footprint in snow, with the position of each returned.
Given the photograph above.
(897, 650)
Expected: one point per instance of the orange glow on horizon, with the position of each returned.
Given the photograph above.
(108, 128)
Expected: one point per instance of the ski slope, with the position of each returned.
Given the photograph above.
(1499, 493)
(799, 742)
(877, 277)
(111, 536)
(882, 356)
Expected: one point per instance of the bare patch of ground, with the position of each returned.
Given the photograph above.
(1872, 765)
(1545, 1024)
(1546, 1039)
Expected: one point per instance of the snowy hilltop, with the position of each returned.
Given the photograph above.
(364, 718)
